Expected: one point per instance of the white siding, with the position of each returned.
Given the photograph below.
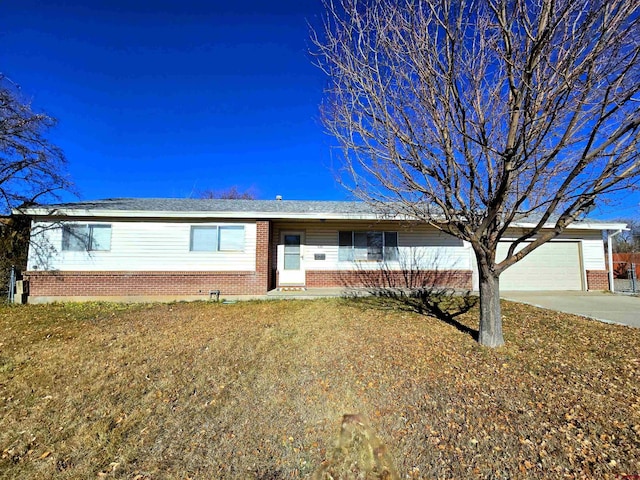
(140, 246)
(593, 250)
(426, 245)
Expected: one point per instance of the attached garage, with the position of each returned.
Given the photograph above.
(552, 266)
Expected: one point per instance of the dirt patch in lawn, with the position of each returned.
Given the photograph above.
(258, 390)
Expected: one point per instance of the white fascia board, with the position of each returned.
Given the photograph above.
(576, 225)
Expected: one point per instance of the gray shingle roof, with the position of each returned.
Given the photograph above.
(231, 208)
(218, 205)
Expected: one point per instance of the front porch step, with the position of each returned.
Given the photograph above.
(292, 288)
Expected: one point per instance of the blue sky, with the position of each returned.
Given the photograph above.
(169, 98)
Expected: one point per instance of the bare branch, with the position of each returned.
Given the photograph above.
(31, 167)
(472, 115)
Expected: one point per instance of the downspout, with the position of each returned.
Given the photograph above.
(610, 254)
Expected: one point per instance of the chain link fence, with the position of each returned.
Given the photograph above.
(625, 277)
(11, 285)
(16, 288)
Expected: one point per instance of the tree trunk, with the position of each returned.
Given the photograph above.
(490, 334)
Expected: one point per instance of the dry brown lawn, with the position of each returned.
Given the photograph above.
(258, 390)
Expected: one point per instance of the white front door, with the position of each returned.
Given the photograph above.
(290, 256)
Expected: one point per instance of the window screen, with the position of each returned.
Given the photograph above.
(84, 238)
(345, 246)
(231, 238)
(390, 246)
(100, 236)
(204, 239)
(75, 238)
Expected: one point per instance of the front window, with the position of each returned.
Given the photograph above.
(86, 238)
(214, 238)
(367, 246)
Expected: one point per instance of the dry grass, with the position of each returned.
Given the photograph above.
(258, 390)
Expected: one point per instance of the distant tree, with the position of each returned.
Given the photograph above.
(471, 115)
(31, 167)
(629, 241)
(231, 193)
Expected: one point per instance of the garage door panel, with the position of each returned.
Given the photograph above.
(552, 266)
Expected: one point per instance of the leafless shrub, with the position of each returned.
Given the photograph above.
(415, 283)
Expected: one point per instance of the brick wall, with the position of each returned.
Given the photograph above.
(377, 278)
(597, 280)
(96, 284)
(263, 257)
(54, 284)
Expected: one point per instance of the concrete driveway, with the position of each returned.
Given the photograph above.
(606, 307)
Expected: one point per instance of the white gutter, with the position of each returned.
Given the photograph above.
(41, 212)
(610, 254)
(585, 225)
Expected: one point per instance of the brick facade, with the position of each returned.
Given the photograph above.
(377, 278)
(597, 280)
(123, 284)
(263, 259)
(96, 284)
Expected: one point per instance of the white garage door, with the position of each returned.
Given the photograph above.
(552, 266)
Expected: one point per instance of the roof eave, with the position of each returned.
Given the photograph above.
(584, 225)
(62, 212)
(43, 212)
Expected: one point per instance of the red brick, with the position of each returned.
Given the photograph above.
(400, 279)
(597, 280)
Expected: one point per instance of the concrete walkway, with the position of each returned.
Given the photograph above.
(311, 293)
(606, 307)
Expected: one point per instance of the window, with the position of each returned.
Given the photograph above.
(223, 238)
(204, 239)
(368, 246)
(230, 238)
(86, 238)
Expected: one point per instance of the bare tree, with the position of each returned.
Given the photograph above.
(31, 167)
(472, 115)
(628, 241)
(231, 193)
